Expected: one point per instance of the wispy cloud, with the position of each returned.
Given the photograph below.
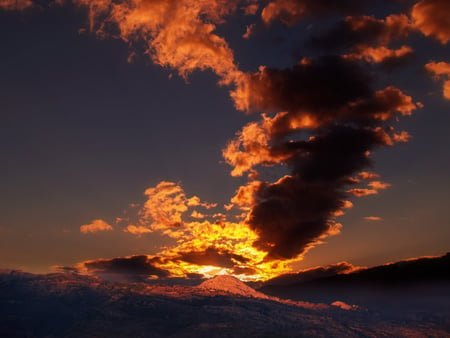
(97, 225)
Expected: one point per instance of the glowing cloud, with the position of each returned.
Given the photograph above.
(320, 121)
(97, 225)
(137, 230)
(431, 18)
(441, 70)
(178, 33)
(373, 218)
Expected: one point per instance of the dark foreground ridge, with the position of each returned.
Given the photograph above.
(71, 305)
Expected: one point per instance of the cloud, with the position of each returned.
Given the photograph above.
(292, 11)
(296, 212)
(179, 34)
(388, 58)
(321, 120)
(367, 38)
(13, 5)
(377, 185)
(251, 9)
(441, 70)
(358, 32)
(213, 257)
(137, 230)
(97, 225)
(344, 306)
(368, 175)
(312, 97)
(373, 218)
(166, 203)
(131, 269)
(431, 18)
(313, 274)
(346, 120)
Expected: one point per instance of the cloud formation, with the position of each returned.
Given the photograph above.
(319, 122)
(291, 11)
(97, 225)
(179, 34)
(313, 273)
(368, 38)
(431, 18)
(331, 99)
(15, 5)
(129, 269)
(137, 230)
(373, 218)
(441, 70)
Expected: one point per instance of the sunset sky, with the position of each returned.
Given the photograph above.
(245, 137)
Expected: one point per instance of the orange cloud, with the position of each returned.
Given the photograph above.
(97, 225)
(166, 203)
(431, 18)
(251, 147)
(197, 215)
(330, 99)
(368, 176)
(373, 218)
(441, 70)
(15, 5)
(179, 33)
(362, 192)
(393, 27)
(381, 54)
(169, 211)
(137, 230)
(344, 306)
(377, 185)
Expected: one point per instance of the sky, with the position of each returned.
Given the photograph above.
(253, 138)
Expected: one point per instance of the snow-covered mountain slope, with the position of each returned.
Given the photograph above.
(231, 285)
(74, 306)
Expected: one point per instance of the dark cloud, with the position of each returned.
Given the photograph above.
(295, 212)
(291, 11)
(327, 90)
(331, 100)
(360, 31)
(324, 86)
(367, 38)
(313, 273)
(66, 269)
(244, 271)
(132, 269)
(214, 257)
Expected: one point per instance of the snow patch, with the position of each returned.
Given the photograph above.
(230, 284)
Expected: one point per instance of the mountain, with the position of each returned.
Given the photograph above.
(230, 285)
(71, 305)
